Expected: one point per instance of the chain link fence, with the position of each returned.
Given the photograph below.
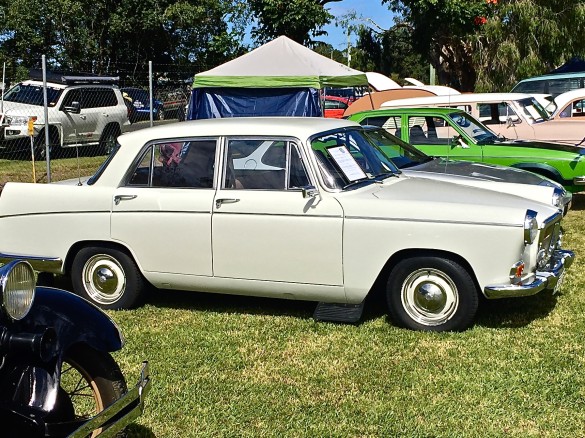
(65, 129)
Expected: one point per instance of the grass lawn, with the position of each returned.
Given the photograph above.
(236, 366)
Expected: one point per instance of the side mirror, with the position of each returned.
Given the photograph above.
(310, 191)
(74, 108)
(510, 122)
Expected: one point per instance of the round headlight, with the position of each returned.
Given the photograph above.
(17, 282)
(530, 227)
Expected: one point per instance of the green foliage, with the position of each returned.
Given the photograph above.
(527, 38)
(300, 20)
(488, 45)
(93, 35)
(390, 53)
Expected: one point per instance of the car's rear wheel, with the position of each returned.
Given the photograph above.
(108, 139)
(107, 277)
(432, 294)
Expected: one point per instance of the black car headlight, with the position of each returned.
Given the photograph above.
(17, 284)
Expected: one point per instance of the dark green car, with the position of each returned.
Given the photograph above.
(454, 134)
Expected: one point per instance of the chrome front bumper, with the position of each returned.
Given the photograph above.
(548, 279)
(121, 413)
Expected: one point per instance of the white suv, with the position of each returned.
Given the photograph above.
(82, 111)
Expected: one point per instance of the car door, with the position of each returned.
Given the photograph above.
(440, 137)
(75, 125)
(162, 213)
(263, 227)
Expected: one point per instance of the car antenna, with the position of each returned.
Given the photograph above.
(79, 183)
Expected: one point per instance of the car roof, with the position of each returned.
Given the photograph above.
(457, 99)
(564, 98)
(411, 110)
(553, 76)
(301, 127)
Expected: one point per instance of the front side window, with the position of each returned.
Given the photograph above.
(180, 164)
(263, 164)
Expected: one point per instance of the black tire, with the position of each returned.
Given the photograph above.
(108, 139)
(107, 277)
(91, 381)
(431, 294)
(40, 149)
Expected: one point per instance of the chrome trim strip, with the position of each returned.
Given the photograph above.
(243, 213)
(39, 263)
(579, 180)
(496, 224)
(130, 406)
(54, 213)
(544, 279)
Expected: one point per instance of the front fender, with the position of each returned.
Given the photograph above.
(73, 319)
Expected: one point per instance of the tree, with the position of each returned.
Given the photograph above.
(526, 38)
(300, 20)
(490, 44)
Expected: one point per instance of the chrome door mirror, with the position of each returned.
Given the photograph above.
(309, 191)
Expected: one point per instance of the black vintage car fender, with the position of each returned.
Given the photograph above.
(73, 319)
(33, 349)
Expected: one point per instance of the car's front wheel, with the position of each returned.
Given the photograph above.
(432, 294)
(107, 277)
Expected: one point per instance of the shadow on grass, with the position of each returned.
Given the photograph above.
(578, 202)
(502, 313)
(138, 431)
(515, 312)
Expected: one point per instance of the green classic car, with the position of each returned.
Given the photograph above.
(454, 134)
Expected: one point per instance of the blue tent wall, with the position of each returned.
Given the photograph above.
(209, 103)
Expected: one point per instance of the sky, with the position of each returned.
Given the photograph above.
(372, 9)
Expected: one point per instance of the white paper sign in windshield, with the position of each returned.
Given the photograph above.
(346, 163)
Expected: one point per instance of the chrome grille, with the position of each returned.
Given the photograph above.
(549, 241)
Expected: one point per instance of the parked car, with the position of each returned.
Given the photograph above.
(82, 111)
(567, 106)
(553, 84)
(323, 216)
(334, 106)
(453, 134)
(511, 115)
(174, 101)
(57, 376)
(413, 162)
(140, 109)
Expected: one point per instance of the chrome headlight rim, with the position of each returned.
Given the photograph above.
(17, 289)
(558, 196)
(530, 227)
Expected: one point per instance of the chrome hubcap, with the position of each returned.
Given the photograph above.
(104, 279)
(429, 296)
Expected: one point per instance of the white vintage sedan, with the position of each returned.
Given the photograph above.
(294, 208)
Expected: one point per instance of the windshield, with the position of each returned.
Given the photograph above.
(474, 129)
(349, 158)
(32, 94)
(532, 110)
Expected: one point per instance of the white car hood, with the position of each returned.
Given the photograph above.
(422, 199)
(488, 176)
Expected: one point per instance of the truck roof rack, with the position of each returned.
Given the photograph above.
(73, 78)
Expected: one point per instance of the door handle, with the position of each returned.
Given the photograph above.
(82, 117)
(220, 201)
(119, 198)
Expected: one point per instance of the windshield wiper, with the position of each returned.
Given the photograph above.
(357, 182)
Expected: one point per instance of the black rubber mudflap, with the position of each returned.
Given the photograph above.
(334, 312)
